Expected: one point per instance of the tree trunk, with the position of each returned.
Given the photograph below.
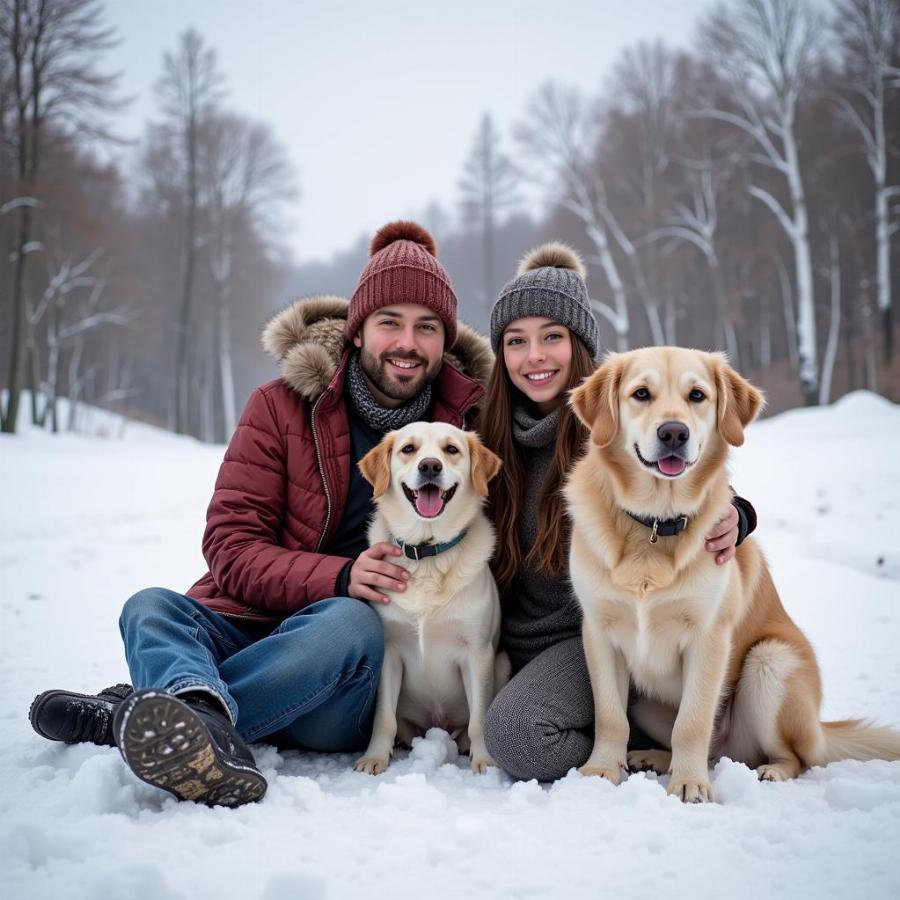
(183, 379)
(75, 383)
(869, 352)
(50, 406)
(765, 334)
(488, 244)
(226, 371)
(882, 222)
(731, 343)
(806, 308)
(883, 272)
(671, 320)
(790, 319)
(656, 326)
(834, 326)
(34, 381)
(19, 326)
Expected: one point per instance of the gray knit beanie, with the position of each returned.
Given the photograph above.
(550, 283)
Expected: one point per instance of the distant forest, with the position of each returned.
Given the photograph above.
(743, 195)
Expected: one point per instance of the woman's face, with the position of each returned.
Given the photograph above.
(538, 357)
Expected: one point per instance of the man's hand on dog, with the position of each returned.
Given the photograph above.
(723, 536)
(371, 571)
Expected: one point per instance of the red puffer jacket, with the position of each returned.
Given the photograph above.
(282, 487)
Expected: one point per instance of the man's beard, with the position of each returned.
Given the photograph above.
(393, 383)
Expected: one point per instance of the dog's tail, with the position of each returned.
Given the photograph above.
(857, 739)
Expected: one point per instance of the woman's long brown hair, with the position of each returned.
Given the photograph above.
(550, 549)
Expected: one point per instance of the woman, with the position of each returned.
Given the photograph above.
(545, 339)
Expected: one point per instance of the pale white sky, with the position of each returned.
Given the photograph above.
(377, 102)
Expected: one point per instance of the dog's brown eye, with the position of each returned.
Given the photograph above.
(408, 449)
(696, 396)
(452, 450)
(641, 394)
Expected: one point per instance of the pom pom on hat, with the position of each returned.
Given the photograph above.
(402, 231)
(556, 255)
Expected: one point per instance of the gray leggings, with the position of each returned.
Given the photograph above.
(542, 723)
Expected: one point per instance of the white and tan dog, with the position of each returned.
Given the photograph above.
(441, 666)
(719, 667)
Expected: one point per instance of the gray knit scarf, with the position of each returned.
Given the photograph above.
(532, 432)
(372, 412)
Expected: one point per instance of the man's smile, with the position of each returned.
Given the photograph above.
(405, 364)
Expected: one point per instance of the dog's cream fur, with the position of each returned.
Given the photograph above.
(441, 666)
(719, 667)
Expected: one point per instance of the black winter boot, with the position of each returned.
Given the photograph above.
(188, 748)
(76, 718)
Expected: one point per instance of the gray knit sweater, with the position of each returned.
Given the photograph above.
(539, 609)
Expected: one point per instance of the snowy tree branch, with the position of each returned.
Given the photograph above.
(775, 207)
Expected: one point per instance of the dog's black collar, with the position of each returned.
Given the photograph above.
(422, 551)
(661, 527)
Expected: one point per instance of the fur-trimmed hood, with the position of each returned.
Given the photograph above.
(308, 341)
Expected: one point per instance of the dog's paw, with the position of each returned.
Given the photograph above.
(691, 790)
(481, 762)
(772, 772)
(610, 773)
(372, 765)
(649, 761)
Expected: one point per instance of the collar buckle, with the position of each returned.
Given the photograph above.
(418, 552)
(660, 527)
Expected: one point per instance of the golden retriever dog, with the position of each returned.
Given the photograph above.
(717, 664)
(441, 665)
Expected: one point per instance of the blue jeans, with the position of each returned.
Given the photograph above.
(307, 683)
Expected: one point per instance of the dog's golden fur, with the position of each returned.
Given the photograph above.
(719, 666)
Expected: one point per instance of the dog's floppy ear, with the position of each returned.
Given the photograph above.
(596, 401)
(376, 465)
(484, 463)
(738, 402)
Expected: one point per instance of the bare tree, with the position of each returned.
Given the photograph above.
(52, 48)
(245, 181)
(767, 48)
(867, 32)
(188, 91)
(70, 307)
(643, 89)
(693, 221)
(489, 189)
(558, 137)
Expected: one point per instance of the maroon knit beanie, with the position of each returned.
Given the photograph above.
(403, 269)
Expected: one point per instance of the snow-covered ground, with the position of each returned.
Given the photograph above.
(86, 522)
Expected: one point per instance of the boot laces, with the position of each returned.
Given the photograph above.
(91, 721)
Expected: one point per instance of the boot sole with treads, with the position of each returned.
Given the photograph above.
(171, 745)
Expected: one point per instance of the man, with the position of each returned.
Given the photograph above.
(273, 642)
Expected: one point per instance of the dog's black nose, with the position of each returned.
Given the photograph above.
(673, 434)
(431, 467)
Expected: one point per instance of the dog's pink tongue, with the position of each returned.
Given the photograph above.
(428, 501)
(671, 465)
